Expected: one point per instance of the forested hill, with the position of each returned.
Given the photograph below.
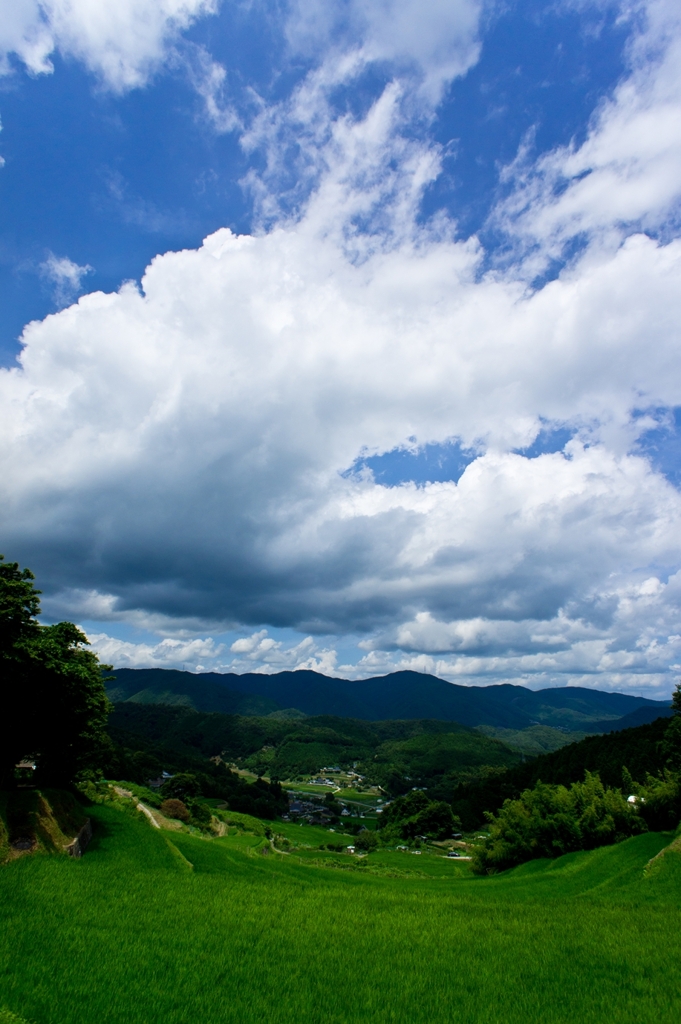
(640, 750)
(400, 695)
(394, 754)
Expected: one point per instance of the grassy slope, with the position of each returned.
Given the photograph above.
(142, 931)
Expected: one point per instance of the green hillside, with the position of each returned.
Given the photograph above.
(535, 740)
(394, 754)
(642, 750)
(184, 689)
(152, 926)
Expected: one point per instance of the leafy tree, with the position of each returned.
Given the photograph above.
(548, 821)
(659, 800)
(671, 744)
(200, 813)
(182, 786)
(417, 815)
(53, 685)
(366, 840)
(676, 700)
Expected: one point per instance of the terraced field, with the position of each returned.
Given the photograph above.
(172, 928)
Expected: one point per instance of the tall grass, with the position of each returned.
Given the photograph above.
(145, 930)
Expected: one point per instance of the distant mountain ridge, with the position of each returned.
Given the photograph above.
(400, 695)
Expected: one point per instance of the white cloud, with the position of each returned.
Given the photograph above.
(628, 169)
(123, 42)
(65, 277)
(195, 655)
(187, 440)
(259, 652)
(256, 653)
(436, 38)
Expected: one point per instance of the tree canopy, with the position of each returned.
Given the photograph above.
(55, 707)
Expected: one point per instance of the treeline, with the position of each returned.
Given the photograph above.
(550, 820)
(553, 818)
(209, 778)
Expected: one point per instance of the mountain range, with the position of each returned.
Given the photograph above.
(399, 695)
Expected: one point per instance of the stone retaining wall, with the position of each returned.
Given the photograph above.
(78, 845)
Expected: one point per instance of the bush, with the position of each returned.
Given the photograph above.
(181, 786)
(200, 813)
(366, 841)
(417, 815)
(659, 801)
(173, 808)
(548, 821)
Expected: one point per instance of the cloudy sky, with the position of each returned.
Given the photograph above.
(345, 334)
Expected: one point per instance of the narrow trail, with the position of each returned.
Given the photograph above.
(145, 810)
(150, 816)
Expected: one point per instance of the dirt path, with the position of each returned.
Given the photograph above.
(150, 816)
(145, 810)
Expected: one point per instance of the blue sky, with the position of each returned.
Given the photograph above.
(415, 400)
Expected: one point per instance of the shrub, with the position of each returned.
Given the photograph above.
(366, 840)
(181, 786)
(173, 808)
(548, 821)
(659, 800)
(200, 813)
(417, 815)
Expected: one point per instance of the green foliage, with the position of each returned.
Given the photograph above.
(7, 1017)
(671, 744)
(396, 755)
(641, 750)
(417, 815)
(211, 779)
(549, 821)
(676, 699)
(54, 686)
(426, 758)
(536, 739)
(182, 786)
(19, 605)
(366, 840)
(659, 800)
(200, 813)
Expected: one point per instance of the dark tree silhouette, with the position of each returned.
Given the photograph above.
(54, 705)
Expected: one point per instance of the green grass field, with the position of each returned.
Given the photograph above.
(156, 927)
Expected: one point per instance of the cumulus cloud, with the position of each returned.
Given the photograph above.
(123, 42)
(187, 440)
(196, 655)
(258, 652)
